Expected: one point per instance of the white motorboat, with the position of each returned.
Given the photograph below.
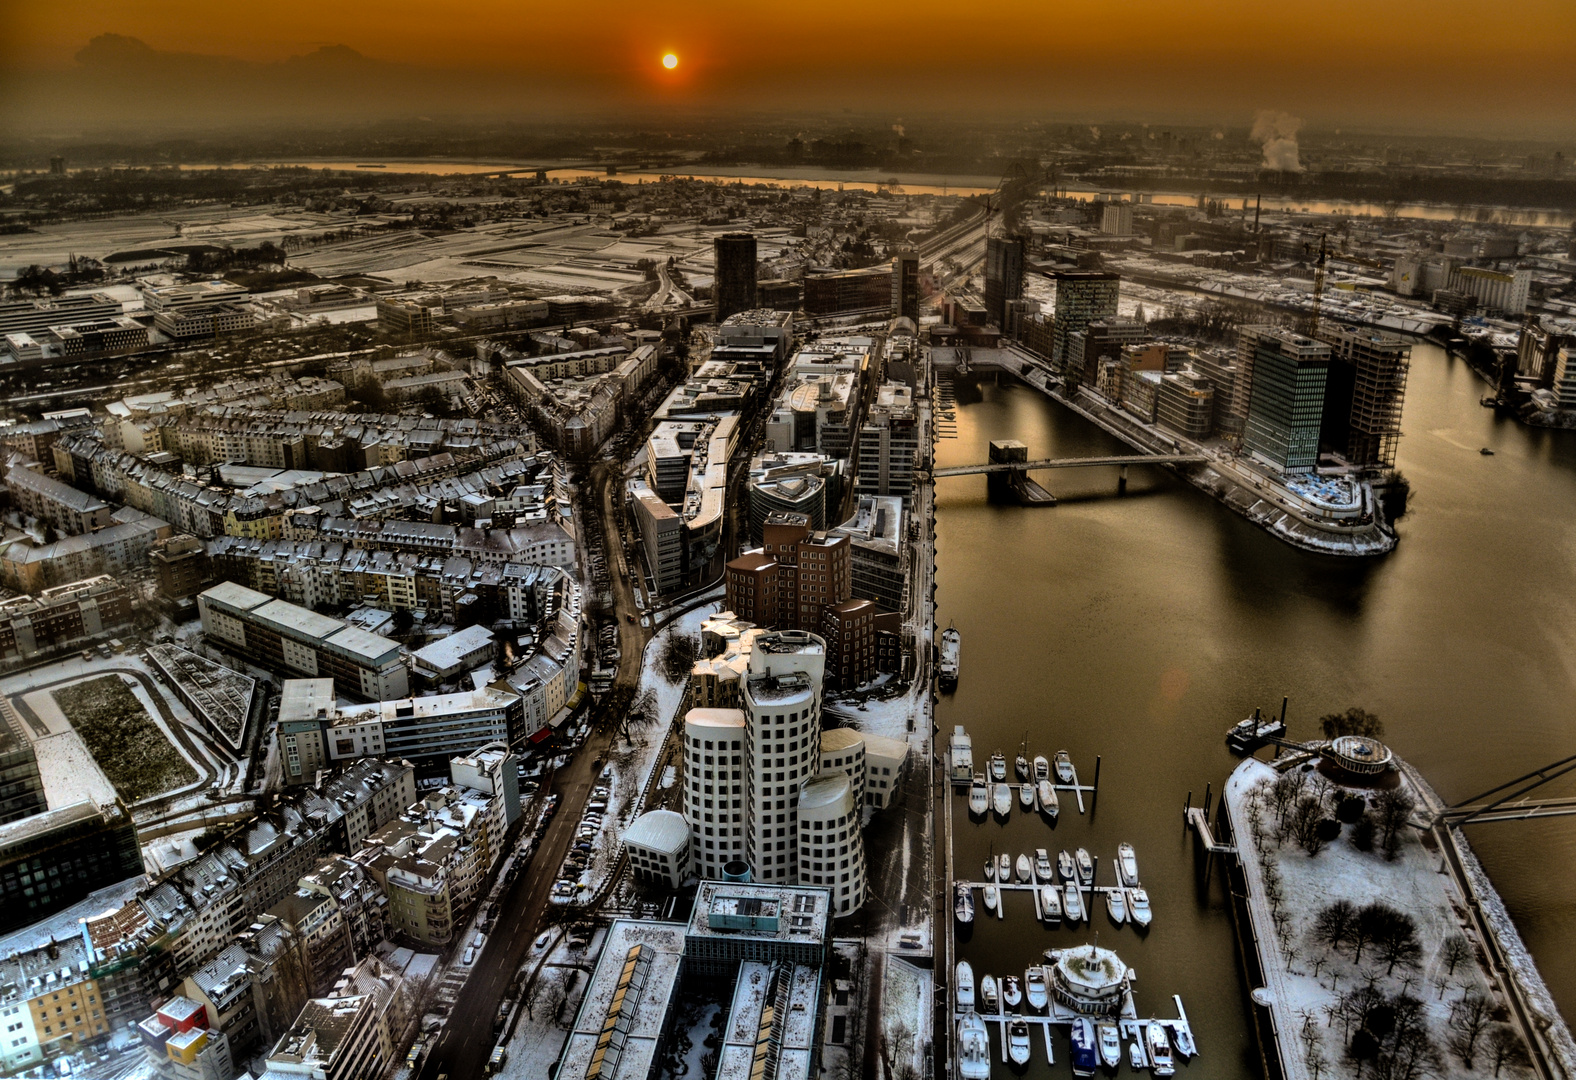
(964, 985)
(973, 1048)
(1085, 866)
(1064, 865)
(1018, 1042)
(998, 766)
(991, 898)
(1004, 868)
(963, 904)
(1065, 773)
(1116, 905)
(1026, 796)
(1022, 767)
(951, 648)
(1049, 805)
(1110, 1045)
(1072, 903)
(1135, 1055)
(1127, 864)
(1044, 872)
(1025, 869)
(989, 995)
(1034, 987)
(1001, 799)
(1011, 992)
(1042, 768)
(1138, 906)
(1182, 1032)
(1050, 904)
(1160, 1050)
(979, 796)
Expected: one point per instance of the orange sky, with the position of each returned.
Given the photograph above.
(1433, 59)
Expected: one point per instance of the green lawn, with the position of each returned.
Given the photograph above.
(123, 739)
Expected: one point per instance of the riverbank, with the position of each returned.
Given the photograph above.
(1331, 980)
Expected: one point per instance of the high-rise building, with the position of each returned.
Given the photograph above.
(889, 443)
(1082, 296)
(21, 785)
(1236, 413)
(905, 285)
(1186, 403)
(782, 715)
(1003, 276)
(1287, 404)
(1117, 219)
(734, 288)
(715, 757)
(1365, 394)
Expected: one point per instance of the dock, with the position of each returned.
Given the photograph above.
(1198, 821)
(1129, 1023)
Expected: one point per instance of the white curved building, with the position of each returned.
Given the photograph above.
(831, 845)
(782, 710)
(715, 788)
(658, 846)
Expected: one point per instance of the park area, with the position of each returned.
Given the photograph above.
(128, 745)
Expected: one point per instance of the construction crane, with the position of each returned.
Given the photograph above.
(1318, 284)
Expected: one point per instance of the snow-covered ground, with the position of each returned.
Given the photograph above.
(905, 1014)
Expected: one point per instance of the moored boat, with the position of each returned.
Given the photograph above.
(1127, 864)
(1085, 866)
(1001, 799)
(1072, 903)
(1050, 904)
(998, 766)
(988, 995)
(1042, 768)
(1022, 766)
(1182, 1034)
(1116, 906)
(1018, 1042)
(1034, 987)
(973, 1048)
(990, 868)
(1025, 868)
(979, 796)
(1160, 1049)
(1086, 1057)
(1050, 806)
(963, 986)
(1064, 865)
(1110, 1044)
(991, 898)
(1065, 773)
(1138, 906)
(1011, 992)
(1044, 872)
(963, 904)
(1004, 868)
(1248, 735)
(951, 650)
(1135, 1054)
(1026, 796)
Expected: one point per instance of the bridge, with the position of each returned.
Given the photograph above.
(1070, 463)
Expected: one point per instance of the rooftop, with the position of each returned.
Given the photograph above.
(787, 913)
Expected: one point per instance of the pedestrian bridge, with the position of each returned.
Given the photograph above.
(1070, 463)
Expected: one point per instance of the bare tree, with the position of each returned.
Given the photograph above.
(1469, 1019)
(1393, 808)
(1398, 946)
(1354, 721)
(1332, 927)
(1283, 795)
(1304, 824)
(1454, 952)
(1506, 1050)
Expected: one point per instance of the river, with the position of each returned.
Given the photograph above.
(1140, 628)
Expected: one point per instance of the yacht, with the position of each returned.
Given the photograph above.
(1018, 1042)
(1116, 905)
(1127, 864)
(1182, 1031)
(1086, 1057)
(1160, 1050)
(1004, 868)
(1025, 868)
(951, 647)
(1072, 903)
(1001, 799)
(988, 994)
(1050, 904)
(979, 796)
(1044, 872)
(1135, 1054)
(1064, 865)
(963, 904)
(991, 898)
(1042, 768)
(1138, 906)
(1034, 987)
(1085, 866)
(965, 985)
(1026, 795)
(998, 766)
(1064, 768)
(973, 1048)
(1011, 992)
(1049, 806)
(1110, 1044)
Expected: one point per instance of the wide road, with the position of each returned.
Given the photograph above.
(467, 1039)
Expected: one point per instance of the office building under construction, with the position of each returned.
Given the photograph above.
(1364, 395)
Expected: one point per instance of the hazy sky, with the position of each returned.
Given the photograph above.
(1440, 64)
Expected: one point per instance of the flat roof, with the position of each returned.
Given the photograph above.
(300, 699)
(451, 651)
(284, 615)
(633, 1012)
(237, 596)
(804, 912)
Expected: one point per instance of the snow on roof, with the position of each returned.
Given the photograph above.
(659, 830)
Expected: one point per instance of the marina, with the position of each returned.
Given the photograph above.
(1037, 788)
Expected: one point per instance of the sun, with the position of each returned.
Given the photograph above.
(670, 61)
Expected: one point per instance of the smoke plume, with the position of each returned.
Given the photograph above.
(1277, 133)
